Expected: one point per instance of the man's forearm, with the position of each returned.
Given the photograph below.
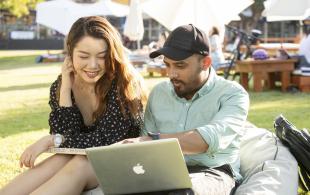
(191, 141)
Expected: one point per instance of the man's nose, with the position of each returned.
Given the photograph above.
(172, 74)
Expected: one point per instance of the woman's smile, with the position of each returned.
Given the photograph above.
(92, 74)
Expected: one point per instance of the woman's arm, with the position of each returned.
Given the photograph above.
(66, 83)
(30, 154)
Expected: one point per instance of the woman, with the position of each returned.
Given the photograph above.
(96, 101)
(217, 55)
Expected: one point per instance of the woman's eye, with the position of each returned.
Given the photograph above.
(83, 57)
(101, 57)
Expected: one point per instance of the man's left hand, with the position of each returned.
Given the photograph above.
(135, 140)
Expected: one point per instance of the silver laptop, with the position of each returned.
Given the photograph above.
(140, 167)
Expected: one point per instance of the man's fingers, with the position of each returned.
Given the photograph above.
(128, 141)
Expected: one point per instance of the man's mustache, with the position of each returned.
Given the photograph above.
(176, 81)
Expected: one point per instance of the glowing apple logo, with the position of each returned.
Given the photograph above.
(138, 169)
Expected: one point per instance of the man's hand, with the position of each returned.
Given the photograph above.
(29, 156)
(135, 140)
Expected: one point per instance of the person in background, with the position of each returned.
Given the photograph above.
(160, 42)
(162, 38)
(217, 55)
(304, 49)
(96, 101)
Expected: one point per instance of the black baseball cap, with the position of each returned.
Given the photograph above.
(183, 42)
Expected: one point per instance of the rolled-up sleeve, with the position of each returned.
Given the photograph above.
(149, 122)
(227, 124)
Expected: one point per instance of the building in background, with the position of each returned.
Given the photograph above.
(24, 33)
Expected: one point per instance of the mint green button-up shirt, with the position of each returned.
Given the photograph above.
(217, 111)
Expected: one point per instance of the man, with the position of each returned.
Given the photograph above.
(202, 110)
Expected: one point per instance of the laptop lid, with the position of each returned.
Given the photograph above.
(140, 167)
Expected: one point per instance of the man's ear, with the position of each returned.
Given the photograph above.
(206, 62)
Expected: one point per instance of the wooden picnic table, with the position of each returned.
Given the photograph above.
(265, 70)
(158, 69)
(272, 48)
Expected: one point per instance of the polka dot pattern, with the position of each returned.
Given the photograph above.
(109, 128)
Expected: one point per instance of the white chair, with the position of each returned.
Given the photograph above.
(267, 166)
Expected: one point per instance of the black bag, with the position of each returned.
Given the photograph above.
(298, 142)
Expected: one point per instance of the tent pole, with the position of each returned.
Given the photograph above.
(138, 44)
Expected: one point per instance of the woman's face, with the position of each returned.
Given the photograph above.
(89, 59)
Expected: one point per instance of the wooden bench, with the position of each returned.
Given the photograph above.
(265, 68)
(302, 82)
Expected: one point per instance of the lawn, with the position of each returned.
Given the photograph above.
(24, 91)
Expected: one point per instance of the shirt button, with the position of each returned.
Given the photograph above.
(187, 104)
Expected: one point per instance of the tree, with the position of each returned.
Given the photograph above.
(18, 8)
(256, 10)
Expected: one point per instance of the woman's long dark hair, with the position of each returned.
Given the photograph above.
(129, 85)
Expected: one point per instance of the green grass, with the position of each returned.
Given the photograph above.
(24, 92)
(264, 107)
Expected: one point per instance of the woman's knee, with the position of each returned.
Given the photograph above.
(54, 162)
(82, 164)
(78, 162)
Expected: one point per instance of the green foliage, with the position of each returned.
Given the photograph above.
(259, 4)
(19, 7)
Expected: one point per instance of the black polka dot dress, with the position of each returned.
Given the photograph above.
(111, 127)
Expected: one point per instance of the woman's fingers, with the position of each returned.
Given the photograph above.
(67, 65)
(21, 160)
(20, 164)
(25, 159)
(32, 160)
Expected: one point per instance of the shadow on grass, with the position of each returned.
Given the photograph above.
(9, 63)
(25, 87)
(25, 119)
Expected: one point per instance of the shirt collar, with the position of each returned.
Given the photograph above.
(209, 84)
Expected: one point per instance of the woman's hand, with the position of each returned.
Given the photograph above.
(67, 72)
(29, 156)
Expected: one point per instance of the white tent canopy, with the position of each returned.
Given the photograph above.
(202, 13)
(134, 28)
(61, 14)
(281, 10)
